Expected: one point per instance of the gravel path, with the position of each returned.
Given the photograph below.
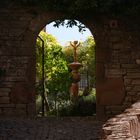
(50, 129)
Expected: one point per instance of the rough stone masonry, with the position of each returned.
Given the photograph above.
(117, 59)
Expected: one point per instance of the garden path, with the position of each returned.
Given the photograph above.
(75, 128)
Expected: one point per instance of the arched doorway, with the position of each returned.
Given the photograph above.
(107, 76)
(59, 102)
(117, 59)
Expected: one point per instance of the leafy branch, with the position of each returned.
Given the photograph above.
(87, 8)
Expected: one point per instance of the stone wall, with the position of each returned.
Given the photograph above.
(117, 60)
(118, 67)
(17, 92)
(124, 126)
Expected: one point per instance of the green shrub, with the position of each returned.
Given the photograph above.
(86, 106)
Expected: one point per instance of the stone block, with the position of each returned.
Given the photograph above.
(138, 61)
(116, 108)
(13, 112)
(23, 106)
(7, 84)
(100, 71)
(4, 91)
(124, 60)
(100, 112)
(117, 46)
(15, 79)
(133, 70)
(115, 32)
(113, 24)
(113, 73)
(110, 92)
(136, 105)
(20, 112)
(21, 94)
(135, 99)
(0, 111)
(108, 113)
(128, 99)
(129, 66)
(131, 93)
(127, 82)
(114, 112)
(4, 100)
(31, 110)
(113, 66)
(7, 105)
(128, 88)
(136, 82)
(136, 88)
(103, 55)
(15, 32)
(9, 112)
(4, 94)
(132, 76)
(114, 39)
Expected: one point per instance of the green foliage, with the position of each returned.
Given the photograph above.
(48, 41)
(86, 106)
(89, 63)
(57, 76)
(70, 23)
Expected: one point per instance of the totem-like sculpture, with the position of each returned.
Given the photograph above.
(75, 75)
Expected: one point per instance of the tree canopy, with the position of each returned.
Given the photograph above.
(55, 66)
(58, 75)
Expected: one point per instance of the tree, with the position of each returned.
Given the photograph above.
(89, 60)
(57, 76)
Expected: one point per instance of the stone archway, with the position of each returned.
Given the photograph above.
(55, 99)
(109, 80)
(118, 76)
(40, 22)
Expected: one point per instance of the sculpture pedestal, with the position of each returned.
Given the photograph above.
(74, 89)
